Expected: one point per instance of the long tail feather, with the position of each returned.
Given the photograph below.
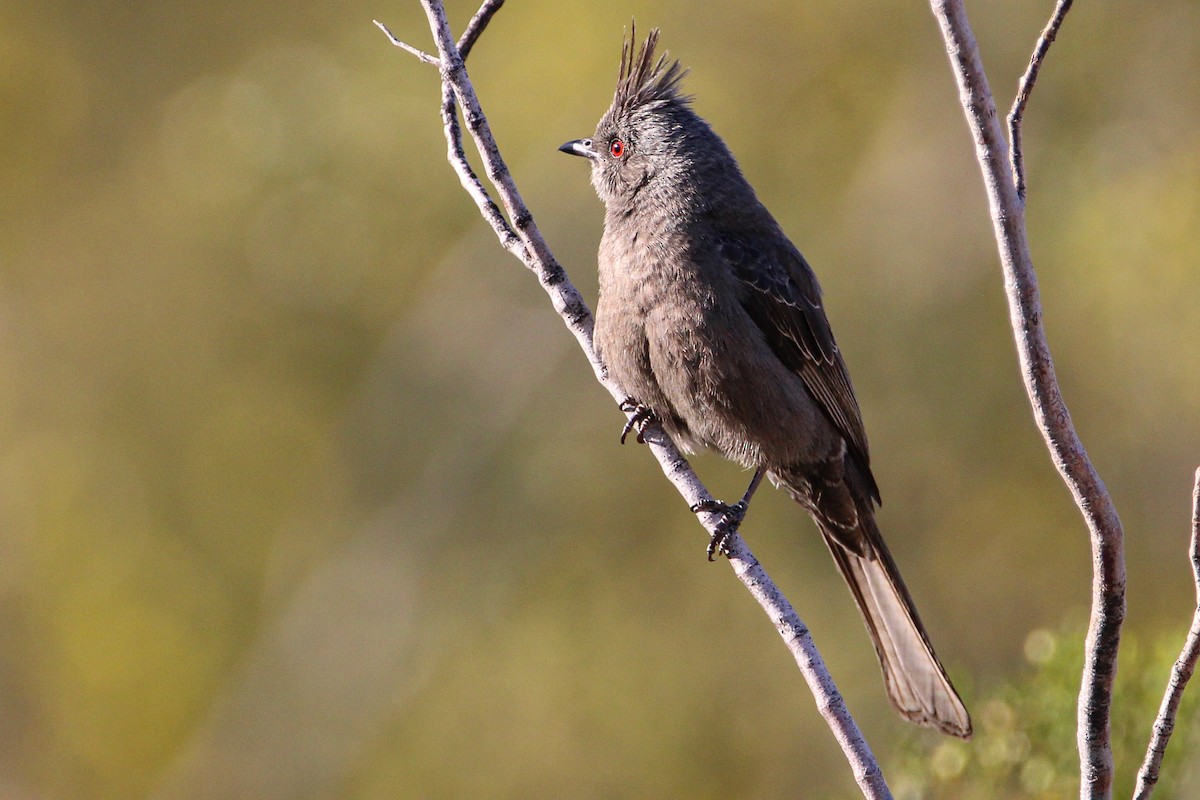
(916, 681)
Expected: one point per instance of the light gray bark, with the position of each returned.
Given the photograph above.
(523, 240)
(1004, 188)
(1181, 673)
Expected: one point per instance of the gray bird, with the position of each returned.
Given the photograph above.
(712, 321)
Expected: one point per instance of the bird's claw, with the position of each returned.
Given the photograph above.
(642, 416)
(726, 527)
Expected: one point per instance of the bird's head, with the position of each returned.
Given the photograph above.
(649, 133)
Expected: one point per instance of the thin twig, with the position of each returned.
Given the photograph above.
(1050, 411)
(477, 25)
(420, 54)
(1025, 88)
(528, 245)
(457, 155)
(539, 259)
(1181, 673)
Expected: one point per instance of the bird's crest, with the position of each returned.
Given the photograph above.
(644, 82)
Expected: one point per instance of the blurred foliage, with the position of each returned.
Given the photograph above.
(305, 491)
(1023, 747)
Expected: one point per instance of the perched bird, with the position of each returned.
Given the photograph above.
(711, 320)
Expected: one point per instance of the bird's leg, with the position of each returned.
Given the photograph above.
(731, 516)
(642, 416)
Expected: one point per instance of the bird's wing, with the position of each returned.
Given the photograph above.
(782, 296)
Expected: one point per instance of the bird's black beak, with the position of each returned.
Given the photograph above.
(579, 147)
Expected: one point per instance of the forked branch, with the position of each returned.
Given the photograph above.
(1037, 370)
(524, 241)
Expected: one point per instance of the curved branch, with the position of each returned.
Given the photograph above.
(1181, 673)
(1049, 409)
(524, 241)
(1025, 88)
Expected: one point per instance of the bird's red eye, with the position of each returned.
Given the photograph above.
(617, 148)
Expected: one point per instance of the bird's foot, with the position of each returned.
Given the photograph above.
(642, 416)
(727, 526)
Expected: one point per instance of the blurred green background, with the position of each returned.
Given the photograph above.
(305, 492)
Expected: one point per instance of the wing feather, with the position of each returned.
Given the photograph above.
(782, 296)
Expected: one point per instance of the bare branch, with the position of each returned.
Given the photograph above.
(420, 54)
(1049, 409)
(524, 240)
(567, 300)
(457, 155)
(477, 25)
(1025, 88)
(799, 641)
(1181, 673)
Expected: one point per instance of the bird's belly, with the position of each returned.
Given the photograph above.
(719, 376)
(622, 342)
(680, 343)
